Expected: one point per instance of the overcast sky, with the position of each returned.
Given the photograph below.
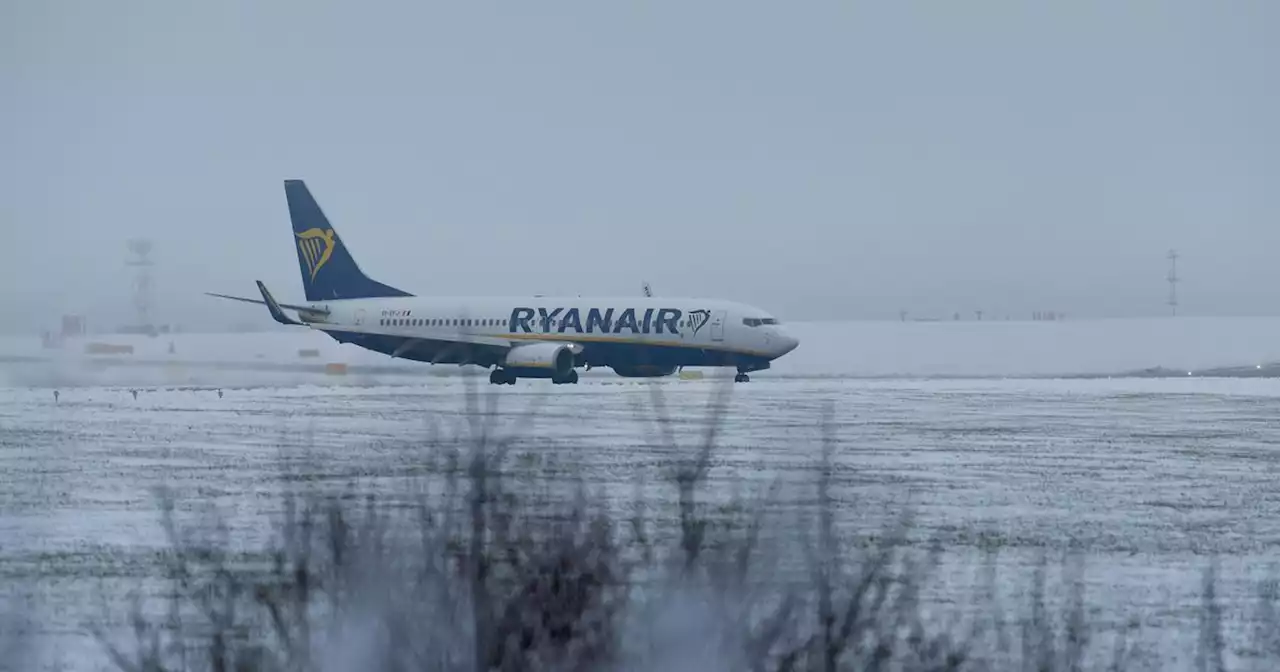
(818, 159)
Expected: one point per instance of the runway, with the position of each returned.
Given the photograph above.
(1150, 476)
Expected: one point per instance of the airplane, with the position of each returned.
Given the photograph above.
(517, 337)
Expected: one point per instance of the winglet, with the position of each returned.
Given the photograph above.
(277, 313)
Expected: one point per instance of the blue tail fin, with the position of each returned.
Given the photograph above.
(328, 271)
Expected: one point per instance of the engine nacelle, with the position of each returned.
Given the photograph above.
(643, 371)
(556, 359)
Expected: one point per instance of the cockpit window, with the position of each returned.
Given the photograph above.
(757, 321)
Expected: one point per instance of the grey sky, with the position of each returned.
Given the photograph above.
(818, 159)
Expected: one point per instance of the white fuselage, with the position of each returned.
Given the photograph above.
(657, 331)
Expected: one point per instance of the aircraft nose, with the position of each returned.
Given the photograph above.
(785, 342)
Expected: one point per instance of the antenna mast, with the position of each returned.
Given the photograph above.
(1173, 282)
(140, 259)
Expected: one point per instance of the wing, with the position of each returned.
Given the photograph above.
(457, 347)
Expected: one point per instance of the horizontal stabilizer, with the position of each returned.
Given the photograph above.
(260, 302)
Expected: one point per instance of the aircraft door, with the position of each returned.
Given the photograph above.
(360, 317)
(717, 325)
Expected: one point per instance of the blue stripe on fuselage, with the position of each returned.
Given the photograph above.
(604, 353)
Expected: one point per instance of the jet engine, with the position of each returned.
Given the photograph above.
(555, 358)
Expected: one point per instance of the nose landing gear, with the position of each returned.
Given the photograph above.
(744, 369)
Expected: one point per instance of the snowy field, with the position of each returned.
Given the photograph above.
(1150, 476)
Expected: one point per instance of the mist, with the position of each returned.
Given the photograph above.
(824, 161)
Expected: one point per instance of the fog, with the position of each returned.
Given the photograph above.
(821, 160)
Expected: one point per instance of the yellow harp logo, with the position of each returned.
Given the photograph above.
(316, 246)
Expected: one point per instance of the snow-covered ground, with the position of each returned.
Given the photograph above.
(827, 349)
(1151, 476)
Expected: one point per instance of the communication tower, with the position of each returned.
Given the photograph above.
(140, 260)
(1173, 282)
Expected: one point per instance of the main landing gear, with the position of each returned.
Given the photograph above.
(505, 377)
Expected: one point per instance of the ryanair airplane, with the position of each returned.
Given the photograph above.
(529, 337)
